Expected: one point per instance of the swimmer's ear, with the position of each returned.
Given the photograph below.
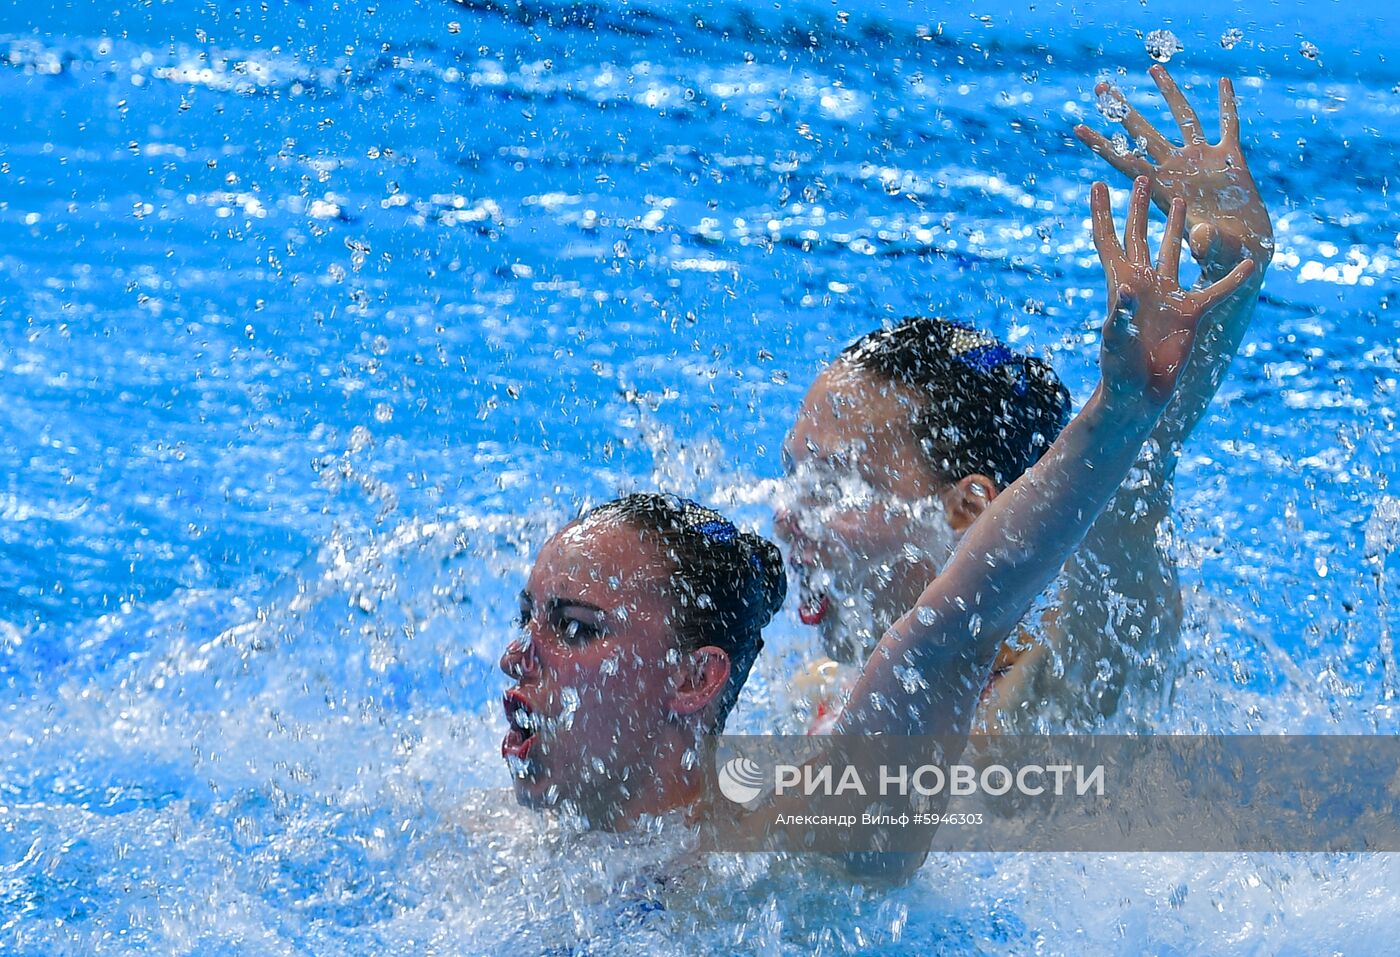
(703, 675)
(968, 498)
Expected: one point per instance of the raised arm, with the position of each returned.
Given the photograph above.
(1226, 223)
(1121, 604)
(926, 673)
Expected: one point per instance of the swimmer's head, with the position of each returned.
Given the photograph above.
(641, 621)
(726, 583)
(899, 446)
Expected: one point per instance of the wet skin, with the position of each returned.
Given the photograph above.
(1226, 223)
(874, 553)
(603, 703)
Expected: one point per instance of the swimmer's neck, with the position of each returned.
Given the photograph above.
(671, 785)
(857, 629)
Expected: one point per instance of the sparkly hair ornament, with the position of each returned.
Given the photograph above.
(728, 583)
(714, 526)
(982, 353)
(981, 408)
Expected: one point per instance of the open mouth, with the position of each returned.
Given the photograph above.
(814, 602)
(521, 736)
(813, 607)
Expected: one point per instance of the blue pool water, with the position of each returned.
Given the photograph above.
(318, 317)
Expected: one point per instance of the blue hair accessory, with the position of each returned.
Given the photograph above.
(986, 358)
(718, 530)
(991, 356)
(711, 524)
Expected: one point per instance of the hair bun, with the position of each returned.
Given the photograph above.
(770, 577)
(1051, 400)
(981, 407)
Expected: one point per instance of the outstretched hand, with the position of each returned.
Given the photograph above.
(1226, 218)
(1152, 321)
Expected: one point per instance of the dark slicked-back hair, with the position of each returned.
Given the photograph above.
(727, 584)
(983, 409)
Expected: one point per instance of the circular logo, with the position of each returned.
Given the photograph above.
(741, 780)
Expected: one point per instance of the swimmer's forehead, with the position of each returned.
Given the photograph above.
(601, 560)
(849, 413)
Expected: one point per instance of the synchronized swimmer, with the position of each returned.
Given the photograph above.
(904, 441)
(642, 619)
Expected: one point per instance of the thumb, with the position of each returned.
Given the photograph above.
(1202, 239)
(1124, 306)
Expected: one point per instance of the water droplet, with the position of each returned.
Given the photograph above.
(1230, 37)
(358, 251)
(1308, 50)
(1112, 105)
(910, 678)
(689, 759)
(1162, 45)
(383, 412)
(454, 27)
(571, 701)
(379, 345)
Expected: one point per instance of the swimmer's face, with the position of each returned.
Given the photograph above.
(595, 668)
(861, 509)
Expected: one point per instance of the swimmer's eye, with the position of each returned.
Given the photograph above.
(577, 632)
(522, 620)
(571, 621)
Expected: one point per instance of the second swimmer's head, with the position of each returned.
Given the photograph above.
(898, 447)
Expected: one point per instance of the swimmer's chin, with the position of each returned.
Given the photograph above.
(534, 794)
(531, 784)
(842, 642)
(838, 641)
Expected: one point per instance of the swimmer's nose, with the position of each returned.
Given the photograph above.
(520, 660)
